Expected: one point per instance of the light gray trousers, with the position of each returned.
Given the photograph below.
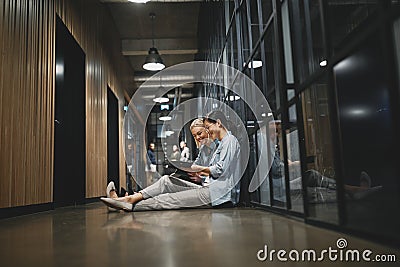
(173, 193)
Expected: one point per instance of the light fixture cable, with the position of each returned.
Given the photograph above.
(152, 16)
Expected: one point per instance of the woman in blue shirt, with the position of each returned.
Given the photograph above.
(172, 193)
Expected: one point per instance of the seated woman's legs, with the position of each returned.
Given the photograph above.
(194, 197)
(165, 184)
(316, 179)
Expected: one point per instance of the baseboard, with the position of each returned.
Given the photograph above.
(92, 200)
(24, 210)
(30, 209)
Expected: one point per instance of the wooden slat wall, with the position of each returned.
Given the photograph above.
(26, 102)
(27, 46)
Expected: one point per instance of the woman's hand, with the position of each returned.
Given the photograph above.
(199, 174)
(197, 168)
(195, 178)
(201, 170)
(206, 141)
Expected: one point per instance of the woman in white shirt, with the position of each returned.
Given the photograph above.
(185, 153)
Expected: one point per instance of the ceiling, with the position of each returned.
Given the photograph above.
(175, 31)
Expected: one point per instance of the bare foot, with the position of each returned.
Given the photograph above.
(113, 194)
(136, 197)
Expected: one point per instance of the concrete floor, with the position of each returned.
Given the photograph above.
(88, 235)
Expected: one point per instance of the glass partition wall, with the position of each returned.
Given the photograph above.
(309, 59)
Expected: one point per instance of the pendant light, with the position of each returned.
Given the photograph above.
(139, 1)
(153, 60)
(161, 99)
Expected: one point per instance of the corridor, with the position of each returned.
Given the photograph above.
(88, 235)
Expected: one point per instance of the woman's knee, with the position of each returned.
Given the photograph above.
(164, 179)
(312, 178)
(204, 195)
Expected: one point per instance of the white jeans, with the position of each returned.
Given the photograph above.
(173, 193)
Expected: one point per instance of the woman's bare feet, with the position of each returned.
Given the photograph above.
(113, 194)
(122, 203)
(135, 198)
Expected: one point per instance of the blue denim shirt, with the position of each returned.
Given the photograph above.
(224, 170)
(205, 154)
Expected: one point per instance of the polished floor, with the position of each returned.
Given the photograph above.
(88, 235)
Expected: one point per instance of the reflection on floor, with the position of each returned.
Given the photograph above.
(88, 235)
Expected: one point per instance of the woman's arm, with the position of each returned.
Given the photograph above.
(198, 161)
(229, 151)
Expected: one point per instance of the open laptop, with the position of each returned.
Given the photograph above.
(182, 170)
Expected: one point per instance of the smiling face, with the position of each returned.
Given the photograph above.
(212, 128)
(199, 133)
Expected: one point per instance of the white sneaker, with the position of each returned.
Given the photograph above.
(110, 187)
(365, 179)
(116, 204)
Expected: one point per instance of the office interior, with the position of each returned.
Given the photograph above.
(329, 70)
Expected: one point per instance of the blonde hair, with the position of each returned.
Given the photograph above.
(199, 122)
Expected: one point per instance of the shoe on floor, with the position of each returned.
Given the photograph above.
(110, 187)
(116, 204)
(365, 179)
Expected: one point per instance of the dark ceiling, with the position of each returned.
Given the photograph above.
(175, 31)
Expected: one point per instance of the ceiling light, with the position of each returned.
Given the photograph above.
(323, 63)
(233, 98)
(139, 1)
(153, 60)
(161, 99)
(165, 118)
(265, 114)
(254, 64)
(169, 133)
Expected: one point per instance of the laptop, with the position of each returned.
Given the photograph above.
(182, 170)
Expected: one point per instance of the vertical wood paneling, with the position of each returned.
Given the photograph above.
(24, 148)
(27, 70)
(4, 182)
(3, 185)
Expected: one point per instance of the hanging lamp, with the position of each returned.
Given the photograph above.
(139, 1)
(153, 60)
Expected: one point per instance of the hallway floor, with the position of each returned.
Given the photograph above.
(88, 235)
